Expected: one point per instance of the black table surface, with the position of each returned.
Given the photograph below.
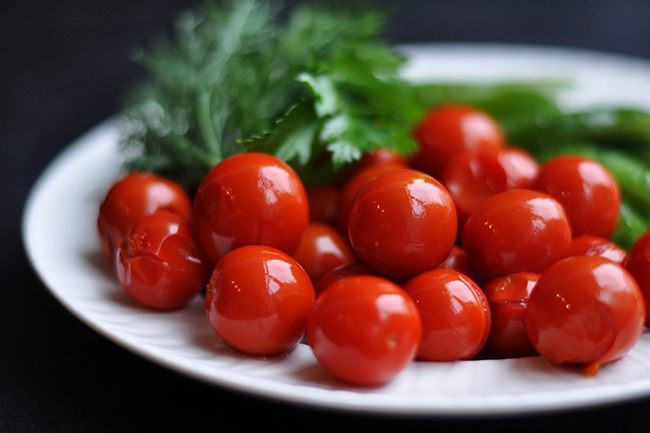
(63, 68)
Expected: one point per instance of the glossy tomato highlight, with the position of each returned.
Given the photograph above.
(160, 263)
(455, 315)
(589, 245)
(258, 300)
(250, 199)
(586, 311)
(402, 223)
(364, 330)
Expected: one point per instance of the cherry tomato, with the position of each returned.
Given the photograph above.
(250, 199)
(457, 261)
(454, 312)
(587, 245)
(364, 329)
(323, 203)
(322, 249)
(470, 178)
(589, 194)
(585, 310)
(515, 231)
(160, 263)
(451, 129)
(351, 187)
(379, 157)
(258, 300)
(508, 297)
(637, 263)
(336, 274)
(132, 198)
(402, 223)
(520, 167)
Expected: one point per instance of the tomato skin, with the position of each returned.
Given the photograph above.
(336, 274)
(520, 167)
(402, 223)
(322, 249)
(515, 231)
(585, 310)
(589, 194)
(364, 330)
(250, 199)
(132, 198)
(470, 178)
(258, 300)
(160, 263)
(637, 263)
(323, 203)
(508, 298)
(588, 245)
(380, 157)
(455, 315)
(352, 186)
(457, 261)
(450, 129)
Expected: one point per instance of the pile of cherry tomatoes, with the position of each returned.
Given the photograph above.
(468, 249)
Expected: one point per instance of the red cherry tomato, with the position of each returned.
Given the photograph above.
(588, 193)
(587, 245)
(160, 263)
(336, 274)
(515, 231)
(258, 300)
(508, 297)
(451, 129)
(457, 261)
(585, 310)
(380, 157)
(402, 223)
(322, 249)
(520, 167)
(364, 329)
(323, 203)
(637, 263)
(470, 178)
(454, 312)
(250, 199)
(351, 187)
(132, 198)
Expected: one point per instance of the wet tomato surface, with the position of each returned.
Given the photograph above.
(364, 329)
(160, 263)
(258, 300)
(585, 310)
(402, 223)
(250, 199)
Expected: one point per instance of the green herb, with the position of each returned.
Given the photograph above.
(317, 92)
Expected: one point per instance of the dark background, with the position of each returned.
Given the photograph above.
(63, 68)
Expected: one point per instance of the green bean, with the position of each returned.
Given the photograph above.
(631, 225)
(625, 128)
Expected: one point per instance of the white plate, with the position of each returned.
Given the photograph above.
(59, 234)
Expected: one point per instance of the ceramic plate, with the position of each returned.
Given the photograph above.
(60, 238)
